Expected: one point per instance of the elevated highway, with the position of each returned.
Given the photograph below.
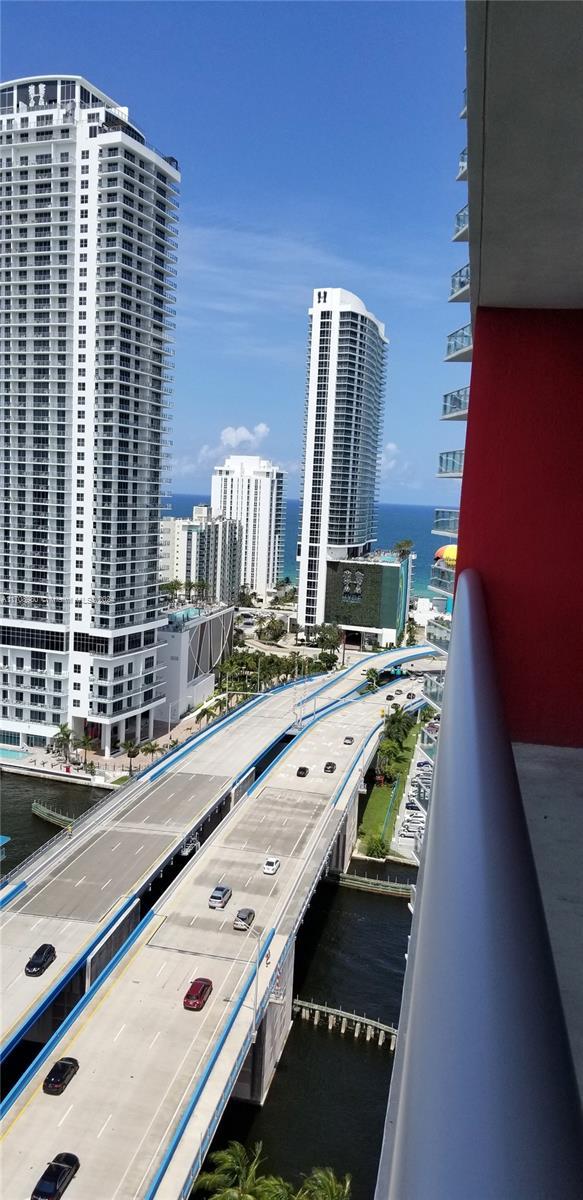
(154, 1078)
(86, 895)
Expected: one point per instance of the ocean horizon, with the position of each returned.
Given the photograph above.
(395, 522)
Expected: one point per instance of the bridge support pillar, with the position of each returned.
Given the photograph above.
(259, 1067)
(343, 1025)
(381, 1038)
(357, 1029)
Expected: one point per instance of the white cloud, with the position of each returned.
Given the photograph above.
(234, 437)
(389, 457)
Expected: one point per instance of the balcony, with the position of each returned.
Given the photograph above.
(460, 284)
(462, 170)
(451, 464)
(439, 633)
(464, 112)
(442, 579)
(446, 521)
(460, 345)
(455, 405)
(461, 230)
(483, 1059)
(433, 689)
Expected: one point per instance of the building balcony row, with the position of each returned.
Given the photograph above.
(460, 345)
(439, 632)
(451, 464)
(461, 230)
(462, 170)
(455, 405)
(460, 284)
(446, 522)
(442, 579)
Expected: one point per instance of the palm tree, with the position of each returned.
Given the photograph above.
(151, 748)
(235, 1174)
(372, 678)
(403, 548)
(85, 743)
(62, 739)
(172, 588)
(132, 751)
(322, 1184)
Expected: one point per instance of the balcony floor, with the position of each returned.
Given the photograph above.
(551, 783)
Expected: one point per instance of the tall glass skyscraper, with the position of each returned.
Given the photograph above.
(342, 433)
(88, 267)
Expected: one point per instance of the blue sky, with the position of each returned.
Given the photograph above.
(318, 144)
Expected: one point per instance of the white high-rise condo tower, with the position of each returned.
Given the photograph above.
(250, 490)
(342, 432)
(88, 262)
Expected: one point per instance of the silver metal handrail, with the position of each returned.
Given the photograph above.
(483, 1101)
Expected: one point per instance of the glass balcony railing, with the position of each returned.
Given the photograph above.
(433, 689)
(459, 344)
(455, 404)
(464, 104)
(442, 579)
(462, 169)
(461, 224)
(446, 521)
(460, 282)
(451, 463)
(439, 633)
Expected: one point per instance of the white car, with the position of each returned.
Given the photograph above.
(271, 866)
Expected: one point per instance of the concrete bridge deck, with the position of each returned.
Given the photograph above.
(76, 892)
(154, 1078)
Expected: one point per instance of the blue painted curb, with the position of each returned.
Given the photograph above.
(195, 1097)
(10, 895)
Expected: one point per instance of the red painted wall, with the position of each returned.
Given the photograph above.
(521, 522)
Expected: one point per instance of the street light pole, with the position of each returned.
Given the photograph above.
(256, 989)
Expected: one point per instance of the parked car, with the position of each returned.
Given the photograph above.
(413, 805)
(219, 898)
(411, 696)
(60, 1074)
(271, 866)
(56, 1177)
(398, 691)
(425, 763)
(197, 994)
(348, 741)
(329, 768)
(302, 772)
(244, 919)
(41, 959)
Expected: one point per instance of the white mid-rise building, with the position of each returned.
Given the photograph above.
(204, 551)
(342, 441)
(88, 264)
(250, 490)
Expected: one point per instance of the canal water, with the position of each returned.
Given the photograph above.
(327, 1102)
(27, 832)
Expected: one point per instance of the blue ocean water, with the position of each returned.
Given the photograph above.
(395, 522)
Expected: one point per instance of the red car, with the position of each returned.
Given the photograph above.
(198, 994)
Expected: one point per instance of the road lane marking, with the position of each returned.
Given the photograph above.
(138, 849)
(154, 1039)
(64, 1117)
(116, 847)
(106, 885)
(104, 1126)
(120, 1031)
(248, 881)
(160, 969)
(35, 924)
(194, 919)
(82, 880)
